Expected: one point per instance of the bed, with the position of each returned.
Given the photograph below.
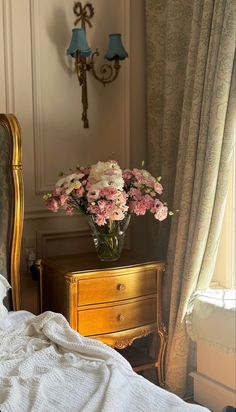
(44, 364)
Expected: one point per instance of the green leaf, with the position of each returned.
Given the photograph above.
(47, 196)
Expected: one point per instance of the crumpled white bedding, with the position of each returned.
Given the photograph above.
(13, 318)
(45, 366)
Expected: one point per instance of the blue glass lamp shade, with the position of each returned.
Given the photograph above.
(79, 43)
(116, 49)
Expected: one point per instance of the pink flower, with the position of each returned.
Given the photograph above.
(158, 188)
(156, 203)
(148, 201)
(161, 213)
(63, 199)
(69, 210)
(148, 182)
(135, 193)
(103, 205)
(139, 208)
(79, 192)
(53, 204)
(137, 173)
(117, 215)
(127, 175)
(108, 192)
(93, 195)
(159, 210)
(100, 220)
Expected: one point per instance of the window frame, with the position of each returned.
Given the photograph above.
(224, 274)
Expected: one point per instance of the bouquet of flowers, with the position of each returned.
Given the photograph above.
(108, 195)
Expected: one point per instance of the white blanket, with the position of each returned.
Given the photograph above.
(48, 367)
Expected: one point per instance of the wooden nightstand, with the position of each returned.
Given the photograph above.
(115, 302)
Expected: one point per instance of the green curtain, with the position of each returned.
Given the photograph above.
(191, 101)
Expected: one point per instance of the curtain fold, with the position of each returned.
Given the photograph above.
(191, 149)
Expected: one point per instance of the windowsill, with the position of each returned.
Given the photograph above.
(212, 319)
(217, 285)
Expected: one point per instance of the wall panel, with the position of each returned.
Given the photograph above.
(60, 243)
(56, 98)
(38, 84)
(46, 97)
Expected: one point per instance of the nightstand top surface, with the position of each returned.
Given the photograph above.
(89, 262)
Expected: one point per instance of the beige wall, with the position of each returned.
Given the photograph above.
(215, 377)
(38, 84)
(139, 235)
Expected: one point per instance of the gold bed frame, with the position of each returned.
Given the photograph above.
(12, 127)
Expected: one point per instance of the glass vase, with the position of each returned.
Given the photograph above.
(109, 238)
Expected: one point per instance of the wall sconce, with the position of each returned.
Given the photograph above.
(84, 57)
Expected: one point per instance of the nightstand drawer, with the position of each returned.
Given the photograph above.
(116, 318)
(114, 288)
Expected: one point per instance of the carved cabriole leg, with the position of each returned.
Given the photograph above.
(162, 332)
(72, 296)
(38, 265)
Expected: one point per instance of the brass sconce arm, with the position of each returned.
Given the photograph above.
(85, 59)
(108, 73)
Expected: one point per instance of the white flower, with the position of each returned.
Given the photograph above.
(66, 180)
(105, 174)
(60, 182)
(73, 185)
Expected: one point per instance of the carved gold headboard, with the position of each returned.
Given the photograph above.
(11, 205)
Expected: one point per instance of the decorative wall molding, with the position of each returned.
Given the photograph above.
(32, 214)
(8, 55)
(41, 184)
(126, 84)
(44, 238)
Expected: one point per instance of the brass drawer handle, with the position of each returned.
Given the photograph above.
(120, 317)
(121, 286)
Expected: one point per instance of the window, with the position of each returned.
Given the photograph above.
(224, 274)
